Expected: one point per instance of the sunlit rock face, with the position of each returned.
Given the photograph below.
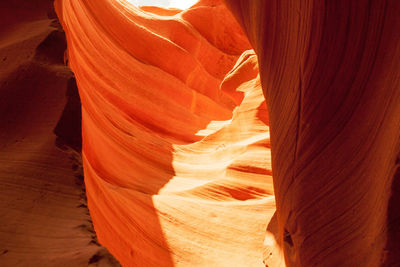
(175, 133)
(330, 74)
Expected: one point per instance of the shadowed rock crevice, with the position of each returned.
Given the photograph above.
(69, 127)
(51, 50)
(391, 254)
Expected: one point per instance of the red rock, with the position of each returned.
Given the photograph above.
(43, 217)
(176, 148)
(330, 74)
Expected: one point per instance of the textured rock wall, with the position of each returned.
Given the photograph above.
(330, 75)
(175, 133)
(43, 215)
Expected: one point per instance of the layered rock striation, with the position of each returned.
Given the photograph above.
(330, 74)
(175, 131)
(177, 111)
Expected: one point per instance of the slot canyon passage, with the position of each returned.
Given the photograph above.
(182, 125)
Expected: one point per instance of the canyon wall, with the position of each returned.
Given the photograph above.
(177, 111)
(43, 215)
(175, 133)
(330, 74)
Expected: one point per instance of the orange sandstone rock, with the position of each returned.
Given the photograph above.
(175, 133)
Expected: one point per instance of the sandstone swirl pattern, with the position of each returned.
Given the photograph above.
(176, 145)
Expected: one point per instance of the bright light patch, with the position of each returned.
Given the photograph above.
(181, 4)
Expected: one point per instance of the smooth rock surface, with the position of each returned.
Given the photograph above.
(175, 133)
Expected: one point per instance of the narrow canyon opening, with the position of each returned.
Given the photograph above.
(166, 105)
(165, 4)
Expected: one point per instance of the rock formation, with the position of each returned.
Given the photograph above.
(177, 110)
(330, 75)
(44, 220)
(175, 133)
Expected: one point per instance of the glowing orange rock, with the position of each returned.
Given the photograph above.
(175, 133)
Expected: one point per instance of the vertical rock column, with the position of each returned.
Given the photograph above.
(330, 75)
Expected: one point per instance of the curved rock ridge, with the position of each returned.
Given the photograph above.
(176, 147)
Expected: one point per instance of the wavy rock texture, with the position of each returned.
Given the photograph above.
(175, 133)
(330, 74)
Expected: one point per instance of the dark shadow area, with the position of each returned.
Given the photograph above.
(69, 128)
(51, 50)
(43, 211)
(392, 249)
